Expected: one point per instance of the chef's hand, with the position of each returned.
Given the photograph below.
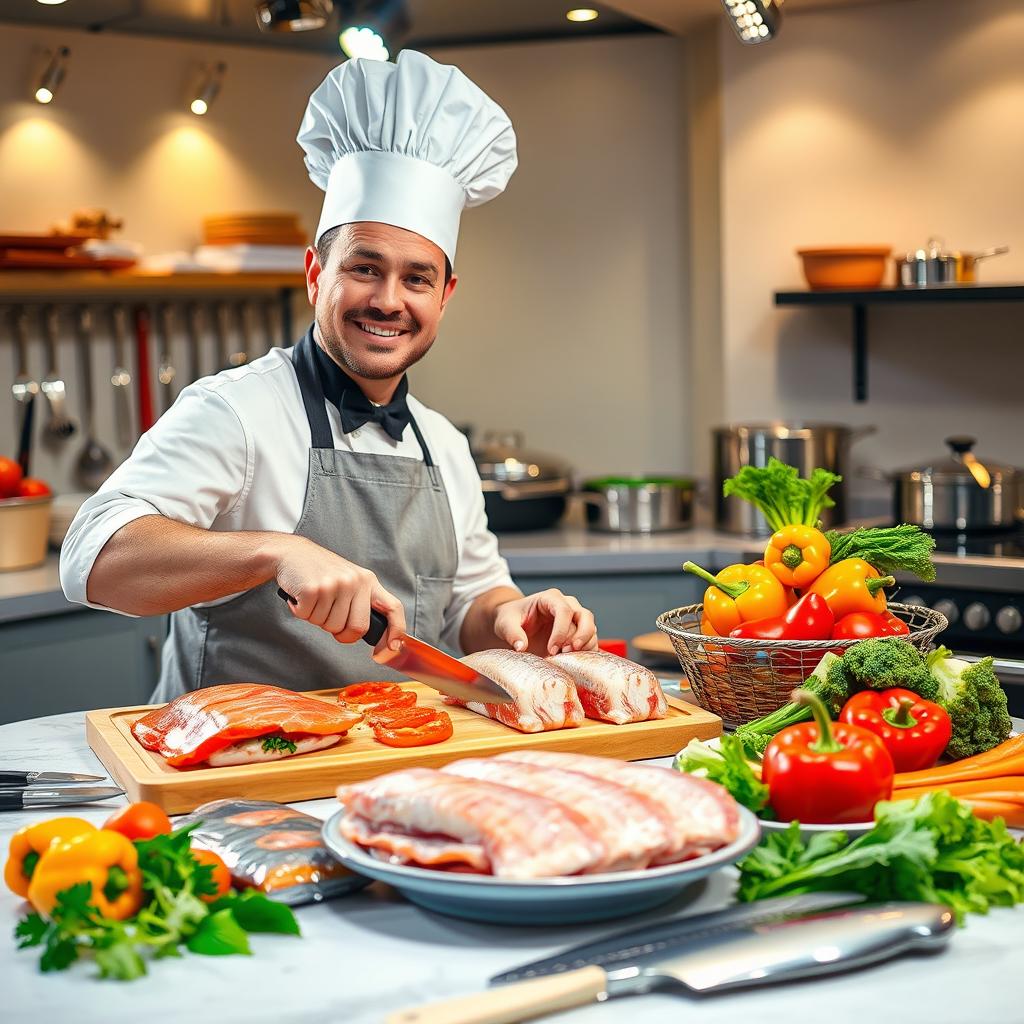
(335, 594)
(546, 623)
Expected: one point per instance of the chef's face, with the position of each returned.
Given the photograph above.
(378, 298)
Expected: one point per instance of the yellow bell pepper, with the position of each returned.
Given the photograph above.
(105, 859)
(739, 593)
(797, 555)
(852, 586)
(31, 842)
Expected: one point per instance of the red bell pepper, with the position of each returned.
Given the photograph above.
(809, 619)
(820, 773)
(861, 625)
(914, 731)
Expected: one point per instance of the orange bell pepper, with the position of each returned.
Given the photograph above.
(31, 842)
(738, 594)
(797, 555)
(852, 586)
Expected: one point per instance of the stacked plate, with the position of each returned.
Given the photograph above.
(253, 229)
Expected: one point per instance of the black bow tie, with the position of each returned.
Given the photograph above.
(356, 409)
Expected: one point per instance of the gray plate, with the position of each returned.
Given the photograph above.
(542, 901)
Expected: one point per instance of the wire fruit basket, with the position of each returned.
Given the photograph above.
(740, 680)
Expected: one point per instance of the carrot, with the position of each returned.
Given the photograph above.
(1012, 814)
(1005, 790)
(1006, 759)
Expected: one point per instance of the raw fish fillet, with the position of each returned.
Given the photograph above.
(422, 815)
(197, 724)
(701, 814)
(545, 695)
(613, 689)
(628, 825)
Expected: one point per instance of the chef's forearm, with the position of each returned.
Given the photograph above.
(477, 633)
(156, 565)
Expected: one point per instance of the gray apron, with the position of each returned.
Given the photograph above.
(387, 513)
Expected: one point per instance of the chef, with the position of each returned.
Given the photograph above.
(313, 469)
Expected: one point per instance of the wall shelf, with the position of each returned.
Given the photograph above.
(858, 299)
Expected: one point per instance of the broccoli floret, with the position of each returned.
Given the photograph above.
(881, 663)
(974, 701)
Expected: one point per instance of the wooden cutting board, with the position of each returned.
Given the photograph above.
(144, 775)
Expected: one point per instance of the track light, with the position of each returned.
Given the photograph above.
(292, 15)
(372, 29)
(52, 76)
(581, 14)
(755, 21)
(207, 88)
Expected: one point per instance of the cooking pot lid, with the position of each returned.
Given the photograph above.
(502, 457)
(962, 466)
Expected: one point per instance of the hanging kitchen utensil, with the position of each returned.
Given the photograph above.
(241, 356)
(221, 328)
(966, 262)
(165, 370)
(142, 369)
(24, 389)
(121, 378)
(193, 331)
(94, 463)
(59, 426)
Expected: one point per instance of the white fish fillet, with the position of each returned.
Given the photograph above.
(545, 695)
(522, 835)
(628, 825)
(703, 816)
(613, 689)
(252, 752)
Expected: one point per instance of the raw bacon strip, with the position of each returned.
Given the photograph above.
(522, 835)
(702, 815)
(420, 851)
(545, 696)
(628, 825)
(613, 689)
(195, 725)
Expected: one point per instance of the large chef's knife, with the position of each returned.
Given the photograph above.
(46, 796)
(701, 955)
(427, 664)
(16, 778)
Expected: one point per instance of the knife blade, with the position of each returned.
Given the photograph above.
(429, 665)
(782, 947)
(15, 778)
(48, 796)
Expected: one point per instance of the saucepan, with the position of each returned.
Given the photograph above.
(638, 504)
(934, 265)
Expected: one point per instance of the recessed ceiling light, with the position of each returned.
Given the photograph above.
(51, 3)
(582, 14)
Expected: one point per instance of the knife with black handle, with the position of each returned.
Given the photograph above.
(26, 799)
(13, 778)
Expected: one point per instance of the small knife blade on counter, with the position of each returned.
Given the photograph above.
(16, 778)
(24, 799)
(429, 665)
(735, 948)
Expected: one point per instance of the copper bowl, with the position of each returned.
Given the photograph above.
(854, 266)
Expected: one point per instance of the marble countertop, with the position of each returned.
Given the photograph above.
(365, 956)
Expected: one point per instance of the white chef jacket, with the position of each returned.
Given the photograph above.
(232, 453)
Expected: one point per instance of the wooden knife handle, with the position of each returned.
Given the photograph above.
(507, 1004)
(378, 622)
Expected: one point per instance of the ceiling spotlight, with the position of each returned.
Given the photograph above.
(292, 15)
(372, 29)
(581, 14)
(207, 88)
(51, 3)
(52, 76)
(754, 21)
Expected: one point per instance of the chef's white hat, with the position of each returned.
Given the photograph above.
(408, 144)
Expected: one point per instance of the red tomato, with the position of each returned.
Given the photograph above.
(221, 875)
(32, 488)
(139, 821)
(10, 477)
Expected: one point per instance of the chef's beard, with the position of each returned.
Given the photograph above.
(355, 363)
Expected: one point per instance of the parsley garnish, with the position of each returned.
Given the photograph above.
(278, 743)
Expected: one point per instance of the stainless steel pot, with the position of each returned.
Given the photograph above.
(933, 265)
(523, 489)
(805, 445)
(959, 492)
(639, 504)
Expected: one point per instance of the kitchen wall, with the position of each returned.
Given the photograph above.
(880, 123)
(568, 322)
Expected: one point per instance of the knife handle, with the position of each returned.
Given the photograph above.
(507, 1004)
(12, 800)
(13, 778)
(378, 622)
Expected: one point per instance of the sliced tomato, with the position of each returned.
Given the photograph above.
(369, 697)
(411, 727)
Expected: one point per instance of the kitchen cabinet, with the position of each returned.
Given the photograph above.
(77, 660)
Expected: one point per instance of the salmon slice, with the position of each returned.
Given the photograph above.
(197, 724)
(545, 696)
(419, 812)
(613, 689)
(701, 814)
(629, 825)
